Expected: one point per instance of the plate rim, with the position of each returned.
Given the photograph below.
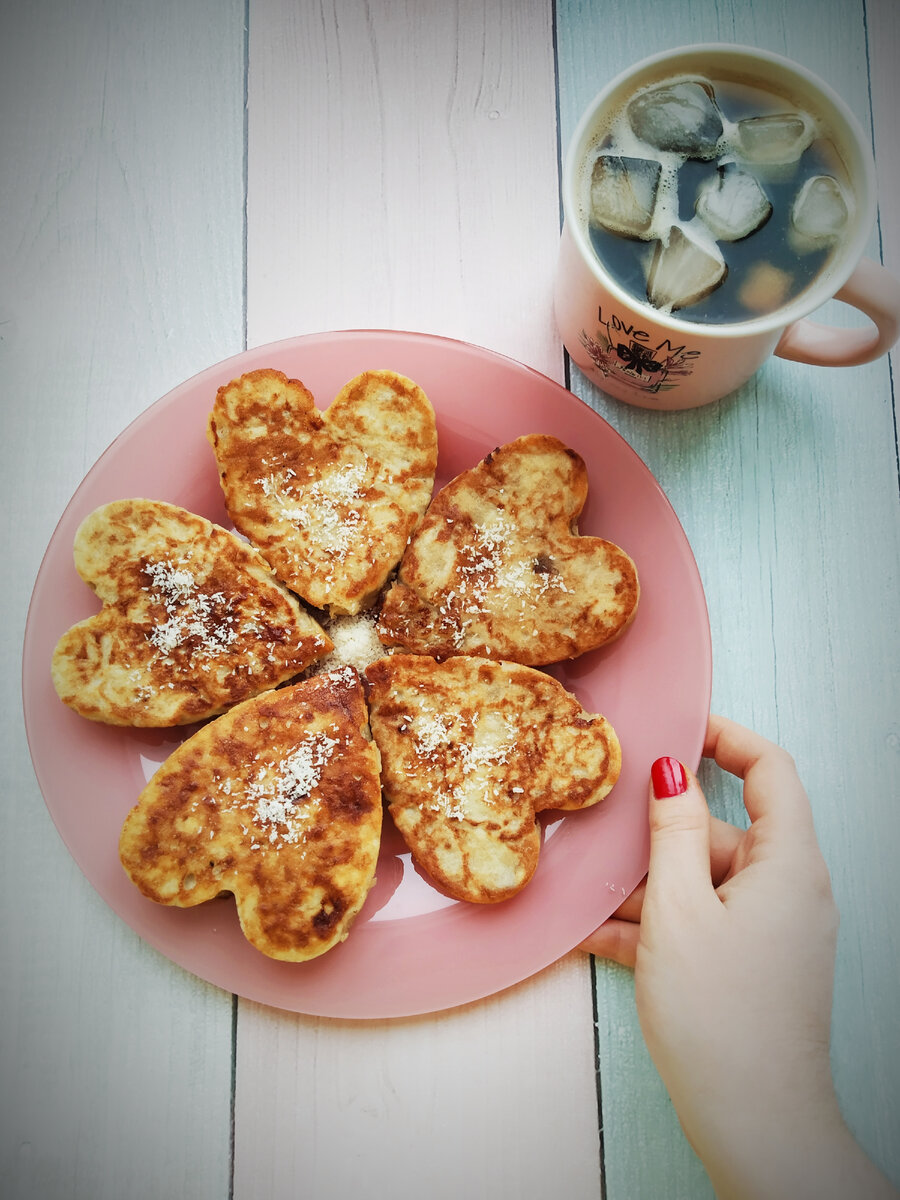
(279, 348)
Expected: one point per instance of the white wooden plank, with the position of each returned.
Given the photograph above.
(121, 134)
(788, 492)
(495, 1099)
(402, 162)
(402, 166)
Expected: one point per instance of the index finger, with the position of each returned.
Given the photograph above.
(772, 787)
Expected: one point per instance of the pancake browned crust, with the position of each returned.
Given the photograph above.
(277, 801)
(330, 498)
(470, 750)
(497, 567)
(193, 620)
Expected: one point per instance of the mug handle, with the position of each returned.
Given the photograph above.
(871, 289)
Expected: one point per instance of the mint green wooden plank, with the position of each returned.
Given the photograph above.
(645, 1154)
(788, 492)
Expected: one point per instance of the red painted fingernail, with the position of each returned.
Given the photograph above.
(668, 778)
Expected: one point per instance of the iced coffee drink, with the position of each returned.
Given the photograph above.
(714, 200)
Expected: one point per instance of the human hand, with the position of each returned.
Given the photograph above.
(732, 937)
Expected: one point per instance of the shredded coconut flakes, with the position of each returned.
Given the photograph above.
(191, 614)
(277, 795)
(324, 508)
(434, 732)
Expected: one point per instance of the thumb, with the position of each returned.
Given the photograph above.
(679, 835)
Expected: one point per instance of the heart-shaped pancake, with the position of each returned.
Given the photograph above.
(329, 498)
(193, 620)
(279, 802)
(471, 749)
(497, 567)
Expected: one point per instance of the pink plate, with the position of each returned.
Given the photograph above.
(411, 950)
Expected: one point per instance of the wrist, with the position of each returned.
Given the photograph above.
(766, 1151)
(770, 1148)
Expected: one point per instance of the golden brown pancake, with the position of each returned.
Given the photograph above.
(193, 620)
(277, 801)
(471, 749)
(497, 567)
(329, 498)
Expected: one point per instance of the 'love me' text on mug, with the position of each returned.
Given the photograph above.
(615, 324)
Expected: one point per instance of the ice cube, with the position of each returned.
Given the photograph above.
(819, 213)
(765, 288)
(684, 270)
(732, 204)
(623, 194)
(776, 139)
(681, 117)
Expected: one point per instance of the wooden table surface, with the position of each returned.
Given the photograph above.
(186, 178)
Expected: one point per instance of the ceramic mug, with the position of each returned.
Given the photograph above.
(655, 359)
